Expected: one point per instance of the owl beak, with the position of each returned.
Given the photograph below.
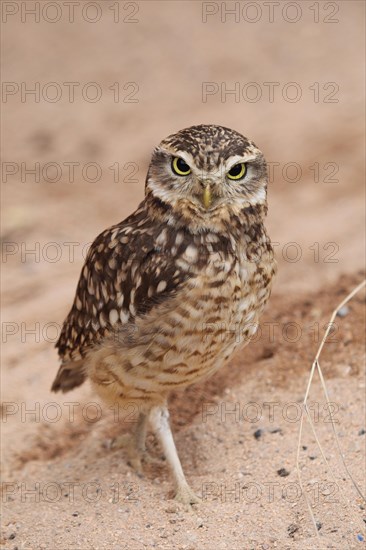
(207, 196)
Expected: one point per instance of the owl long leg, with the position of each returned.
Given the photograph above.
(159, 418)
(140, 432)
(134, 443)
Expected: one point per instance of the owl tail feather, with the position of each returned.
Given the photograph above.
(70, 375)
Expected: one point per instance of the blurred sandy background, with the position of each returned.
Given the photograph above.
(159, 55)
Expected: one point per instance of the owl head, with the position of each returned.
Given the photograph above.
(206, 174)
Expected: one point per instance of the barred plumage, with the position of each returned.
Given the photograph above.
(166, 296)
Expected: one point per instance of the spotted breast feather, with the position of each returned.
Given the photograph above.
(131, 268)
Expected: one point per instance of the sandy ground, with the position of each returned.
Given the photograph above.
(243, 463)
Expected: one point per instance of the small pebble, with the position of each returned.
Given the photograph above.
(172, 509)
(282, 472)
(362, 432)
(291, 529)
(343, 311)
(258, 434)
(360, 538)
(267, 353)
(319, 525)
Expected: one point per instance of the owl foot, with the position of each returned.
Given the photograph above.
(186, 496)
(135, 455)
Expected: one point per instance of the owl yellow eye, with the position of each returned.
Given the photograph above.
(180, 167)
(237, 172)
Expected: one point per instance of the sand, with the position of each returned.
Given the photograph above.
(237, 435)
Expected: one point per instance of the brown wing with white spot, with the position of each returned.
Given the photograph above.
(129, 268)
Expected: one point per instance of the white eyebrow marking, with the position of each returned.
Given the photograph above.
(238, 158)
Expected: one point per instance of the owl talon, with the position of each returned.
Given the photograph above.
(186, 496)
(134, 454)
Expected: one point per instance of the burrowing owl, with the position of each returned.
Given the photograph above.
(164, 294)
